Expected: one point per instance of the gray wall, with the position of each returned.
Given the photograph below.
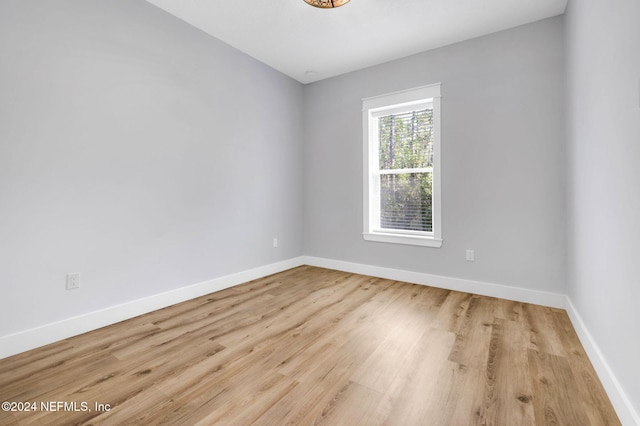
(136, 150)
(502, 154)
(603, 111)
(149, 156)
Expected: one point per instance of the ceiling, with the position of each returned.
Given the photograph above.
(311, 44)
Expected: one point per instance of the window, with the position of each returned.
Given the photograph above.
(402, 167)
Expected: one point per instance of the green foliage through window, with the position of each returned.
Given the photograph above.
(406, 142)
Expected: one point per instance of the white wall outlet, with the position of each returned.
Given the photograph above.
(471, 255)
(275, 242)
(73, 280)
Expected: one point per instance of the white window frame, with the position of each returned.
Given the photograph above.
(396, 102)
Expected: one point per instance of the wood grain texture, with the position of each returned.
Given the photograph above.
(316, 346)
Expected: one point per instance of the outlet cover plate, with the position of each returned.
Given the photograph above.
(471, 255)
(73, 280)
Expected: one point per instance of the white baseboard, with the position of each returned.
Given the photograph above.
(39, 336)
(49, 333)
(35, 337)
(622, 404)
(518, 294)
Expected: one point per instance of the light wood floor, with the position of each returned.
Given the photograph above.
(315, 346)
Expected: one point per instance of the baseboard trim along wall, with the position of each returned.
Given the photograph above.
(49, 333)
(623, 406)
(517, 294)
(619, 399)
(35, 337)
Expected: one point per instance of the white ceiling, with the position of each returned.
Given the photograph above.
(311, 44)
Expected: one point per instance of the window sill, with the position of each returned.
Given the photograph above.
(403, 239)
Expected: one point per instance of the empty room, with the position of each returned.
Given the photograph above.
(339, 212)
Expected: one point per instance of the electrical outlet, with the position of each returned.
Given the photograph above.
(73, 281)
(471, 255)
(275, 242)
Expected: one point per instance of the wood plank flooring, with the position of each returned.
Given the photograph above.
(316, 346)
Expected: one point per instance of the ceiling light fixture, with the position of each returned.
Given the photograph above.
(326, 4)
